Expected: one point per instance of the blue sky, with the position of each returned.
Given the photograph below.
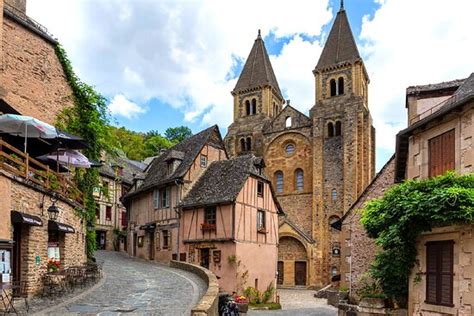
(174, 62)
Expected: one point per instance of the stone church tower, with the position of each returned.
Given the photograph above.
(319, 165)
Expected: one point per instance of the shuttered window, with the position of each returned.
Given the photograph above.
(439, 272)
(441, 153)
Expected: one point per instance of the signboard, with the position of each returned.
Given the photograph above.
(37, 260)
(5, 265)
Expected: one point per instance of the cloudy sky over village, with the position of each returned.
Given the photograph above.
(169, 63)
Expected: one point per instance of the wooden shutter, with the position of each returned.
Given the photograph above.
(441, 153)
(439, 273)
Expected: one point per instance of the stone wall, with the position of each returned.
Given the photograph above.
(358, 250)
(29, 199)
(32, 80)
(208, 305)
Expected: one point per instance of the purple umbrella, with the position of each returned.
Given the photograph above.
(68, 157)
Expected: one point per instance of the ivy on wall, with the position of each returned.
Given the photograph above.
(403, 213)
(88, 118)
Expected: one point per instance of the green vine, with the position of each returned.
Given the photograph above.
(403, 213)
(89, 119)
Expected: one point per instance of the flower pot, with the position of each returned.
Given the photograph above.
(243, 307)
(371, 302)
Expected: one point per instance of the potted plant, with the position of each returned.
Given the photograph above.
(371, 294)
(242, 303)
(52, 265)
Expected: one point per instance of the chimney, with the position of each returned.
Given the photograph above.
(19, 5)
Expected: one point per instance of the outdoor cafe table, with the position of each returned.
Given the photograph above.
(7, 298)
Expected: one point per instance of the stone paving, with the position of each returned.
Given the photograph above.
(299, 302)
(134, 286)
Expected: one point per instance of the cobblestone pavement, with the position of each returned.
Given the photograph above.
(134, 286)
(299, 302)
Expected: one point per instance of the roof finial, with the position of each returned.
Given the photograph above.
(342, 5)
(259, 34)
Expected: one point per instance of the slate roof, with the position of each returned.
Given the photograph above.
(157, 172)
(435, 86)
(130, 168)
(463, 95)
(257, 70)
(340, 46)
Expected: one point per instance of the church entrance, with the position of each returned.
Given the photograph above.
(292, 258)
(300, 273)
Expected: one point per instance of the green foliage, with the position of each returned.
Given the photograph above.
(89, 119)
(256, 297)
(178, 134)
(370, 288)
(403, 213)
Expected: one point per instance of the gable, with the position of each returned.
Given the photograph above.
(279, 123)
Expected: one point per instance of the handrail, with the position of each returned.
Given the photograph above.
(435, 108)
(30, 169)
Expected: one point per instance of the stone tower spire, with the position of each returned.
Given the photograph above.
(257, 99)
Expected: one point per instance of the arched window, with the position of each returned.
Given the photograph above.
(340, 86)
(279, 181)
(254, 106)
(248, 144)
(289, 149)
(330, 129)
(334, 194)
(299, 180)
(332, 84)
(338, 128)
(242, 144)
(247, 107)
(288, 122)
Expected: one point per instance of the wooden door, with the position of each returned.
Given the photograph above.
(135, 241)
(16, 255)
(280, 272)
(152, 245)
(205, 258)
(300, 273)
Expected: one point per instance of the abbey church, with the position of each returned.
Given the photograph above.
(319, 164)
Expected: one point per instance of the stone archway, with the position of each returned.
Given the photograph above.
(292, 262)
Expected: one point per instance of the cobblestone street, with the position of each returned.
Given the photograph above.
(137, 287)
(299, 302)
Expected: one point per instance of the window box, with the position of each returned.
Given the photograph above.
(208, 227)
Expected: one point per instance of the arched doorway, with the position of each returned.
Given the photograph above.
(292, 265)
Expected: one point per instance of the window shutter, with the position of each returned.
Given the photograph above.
(431, 272)
(441, 154)
(439, 273)
(446, 273)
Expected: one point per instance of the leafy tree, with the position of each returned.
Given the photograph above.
(178, 134)
(403, 213)
(154, 144)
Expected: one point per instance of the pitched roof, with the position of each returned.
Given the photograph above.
(222, 181)
(130, 168)
(157, 172)
(340, 45)
(257, 70)
(462, 96)
(453, 84)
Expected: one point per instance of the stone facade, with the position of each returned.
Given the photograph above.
(357, 249)
(319, 164)
(32, 80)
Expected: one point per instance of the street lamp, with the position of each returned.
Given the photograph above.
(53, 211)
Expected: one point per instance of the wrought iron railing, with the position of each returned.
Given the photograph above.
(437, 107)
(26, 19)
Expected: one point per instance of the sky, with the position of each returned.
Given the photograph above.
(168, 63)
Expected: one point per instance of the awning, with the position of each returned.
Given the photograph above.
(64, 228)
(149, 226)
(27, 219)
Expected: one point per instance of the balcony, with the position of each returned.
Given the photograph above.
(31, 170)
(208, 227)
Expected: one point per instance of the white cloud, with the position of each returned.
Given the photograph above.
(121, 106)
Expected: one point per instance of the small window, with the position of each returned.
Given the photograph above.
(166, 239)
(299, 183)
(203, 161)
(441, 153)
(165, 197)
(124, 219)
(97, 211)
(333, 271)
(330, 129)
(254, 107)
(333, 87)
(242, 144)
(260, 188)
(108, 213)
(290, 149)
(248, 144)
(288, 122)
(338, 128)
(260, 220)
(279, 181)
(210, 215)
(334, 194)
(156, 198)
(247, 107)
(340, 86)
(439, 272)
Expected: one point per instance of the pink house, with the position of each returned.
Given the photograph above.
(229, 224)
